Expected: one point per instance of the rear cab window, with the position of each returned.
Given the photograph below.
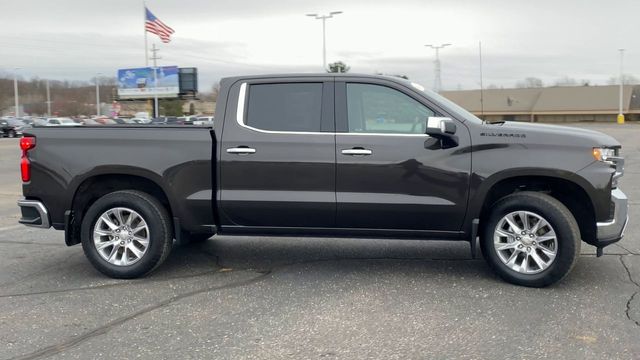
(286, 107)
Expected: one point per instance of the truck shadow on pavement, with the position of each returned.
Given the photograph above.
(66, 269)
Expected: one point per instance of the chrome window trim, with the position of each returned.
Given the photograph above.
(242, 99)
(382, 134)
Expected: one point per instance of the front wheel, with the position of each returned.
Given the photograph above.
(126, 234)
(11, 134)
(531, 239)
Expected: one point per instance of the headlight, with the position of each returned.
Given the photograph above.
(603, 154)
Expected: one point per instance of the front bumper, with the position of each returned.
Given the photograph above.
(613, 230)
(34, 214)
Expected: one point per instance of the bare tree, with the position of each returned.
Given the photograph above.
(627, 79)
(530, 82)
(566, 81)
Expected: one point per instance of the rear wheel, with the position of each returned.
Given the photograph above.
(531, 239)
(126, 234)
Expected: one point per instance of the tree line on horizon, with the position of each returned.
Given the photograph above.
(71, 98)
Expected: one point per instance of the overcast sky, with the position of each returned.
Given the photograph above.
(549, 39)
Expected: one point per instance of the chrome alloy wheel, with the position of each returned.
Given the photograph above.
(121, 236)
(525, 242)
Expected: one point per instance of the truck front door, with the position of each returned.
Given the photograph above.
(390, 174)
(277, 165)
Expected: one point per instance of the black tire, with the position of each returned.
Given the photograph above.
(557, 215)
(11, 134)
(160, 233)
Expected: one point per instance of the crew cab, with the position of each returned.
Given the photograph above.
(337, 155)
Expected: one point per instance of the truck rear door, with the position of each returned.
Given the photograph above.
(277, 161)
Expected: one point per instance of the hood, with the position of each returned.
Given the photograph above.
(565, 134)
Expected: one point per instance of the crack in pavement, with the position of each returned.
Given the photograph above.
(39, 272)
(101, 330)
(627, 250)
(105, 286)
(628, 309)
(65, 345)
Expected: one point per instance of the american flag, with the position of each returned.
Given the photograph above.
(155, 26)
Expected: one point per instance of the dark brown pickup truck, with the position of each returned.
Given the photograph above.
(329, 155)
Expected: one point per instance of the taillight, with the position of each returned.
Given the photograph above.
(26, 143)
(25, 169)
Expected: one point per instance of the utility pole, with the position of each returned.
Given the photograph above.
(15, 93)
(48, 100)
(98, 94)
(437, 84)
(481, 81)
(324, 34)
(620, 114)
(155, 59)
(144, 28)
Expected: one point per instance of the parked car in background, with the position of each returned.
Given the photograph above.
(61, 121)
(103, 120)
(18, 127)
(186, 120)
(165, 120)
(204, 120)
(6, 130)
(137, 120)
(90, 122)
(142, 115)
(29, 121)
(120, 121)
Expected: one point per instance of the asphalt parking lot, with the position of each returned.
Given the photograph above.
(231, 298)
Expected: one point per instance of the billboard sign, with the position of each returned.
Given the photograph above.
(139, 82)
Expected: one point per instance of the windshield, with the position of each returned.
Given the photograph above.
(448, 104)
(67, 121)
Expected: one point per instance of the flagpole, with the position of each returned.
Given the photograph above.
(144, 28)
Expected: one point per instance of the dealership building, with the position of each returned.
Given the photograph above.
(551, 104)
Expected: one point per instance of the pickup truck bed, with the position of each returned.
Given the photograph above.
(72, 167)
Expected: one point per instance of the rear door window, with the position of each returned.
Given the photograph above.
(285, 107)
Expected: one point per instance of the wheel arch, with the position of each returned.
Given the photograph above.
(569, 188)
(91, 188)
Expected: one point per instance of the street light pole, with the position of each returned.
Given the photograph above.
(48, 100)
(324, 33)
(620, 114)
(15, 93)
(155, 58)
(437, 84)
(98, 94)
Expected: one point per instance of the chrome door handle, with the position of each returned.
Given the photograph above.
(241, 150)
(354, 152)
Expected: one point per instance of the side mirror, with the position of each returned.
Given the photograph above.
(440, 126)
(443, 129)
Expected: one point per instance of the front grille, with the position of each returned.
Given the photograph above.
(618, 163)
